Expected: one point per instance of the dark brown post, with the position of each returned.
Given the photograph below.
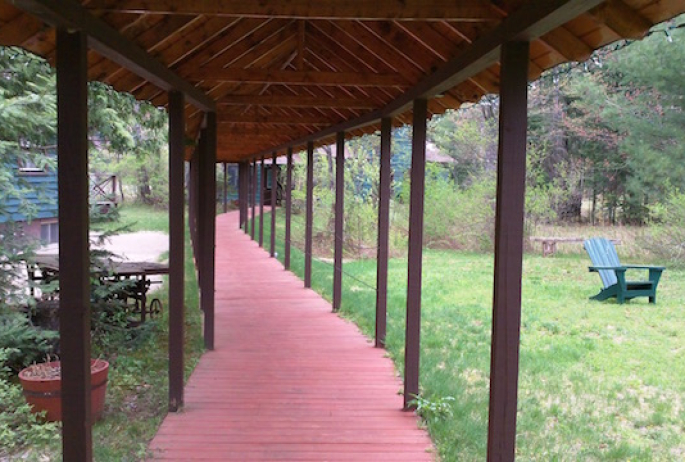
(241, 195)
(207, 222)
(309, 216)
(191, 199)
(193, 204)
(383, 230)
(506, 313)
(274, 186)
(288, 207)
(415, 252)
(74, 259)
(224, 198)
(253, 193)
(176, 249)
(244, 201)
(339, 217)
(262, 189)
(197, 205)
(248, 195)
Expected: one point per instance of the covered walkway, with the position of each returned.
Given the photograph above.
(288, 379)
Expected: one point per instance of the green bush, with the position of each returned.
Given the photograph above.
(19, 427)
(458, 218)
(665, 237)
(22, 343)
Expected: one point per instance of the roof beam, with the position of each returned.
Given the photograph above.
(464, 10)
(568, 45)
(272, 119)
(114, 46)
(295, 101)
(228, 129)
(276, 76)
(532, 20)
(622, 19)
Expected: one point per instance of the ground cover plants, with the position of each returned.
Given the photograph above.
(137, 387)
(598, 381)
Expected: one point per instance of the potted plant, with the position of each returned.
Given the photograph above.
(42, 385)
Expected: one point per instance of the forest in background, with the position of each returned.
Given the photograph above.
(606, 146)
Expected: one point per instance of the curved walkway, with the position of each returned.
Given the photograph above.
(288, 380)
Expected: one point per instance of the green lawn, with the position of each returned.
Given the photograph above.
(137, 217)
(598, 380)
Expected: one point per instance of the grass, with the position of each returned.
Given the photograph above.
(598, 380)
(137, 217)
(137, 388)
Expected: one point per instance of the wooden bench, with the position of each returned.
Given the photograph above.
(549, 244)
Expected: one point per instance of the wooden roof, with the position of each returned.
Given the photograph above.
(279, 72)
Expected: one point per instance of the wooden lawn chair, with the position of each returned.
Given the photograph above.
(605, 262)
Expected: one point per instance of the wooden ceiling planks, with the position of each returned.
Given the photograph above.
(281, 71)
(465, 10)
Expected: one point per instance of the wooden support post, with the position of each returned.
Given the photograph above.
(74, 258)
(262, 189)
(288, 207)
(241, 194)
(194, 204)
(207, 222)
(176, 249)
(197, 206)
(224, 196)
(383, 232)
(244, 201)
(339, 219)
(274, 190)
(248, 195)
(309, 216)
(506, 313)
(253, 193)
(415, 254)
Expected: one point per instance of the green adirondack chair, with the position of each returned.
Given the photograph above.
(605, 262)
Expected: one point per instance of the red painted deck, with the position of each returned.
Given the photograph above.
(288, 380)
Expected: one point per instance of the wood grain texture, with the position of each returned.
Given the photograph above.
(288, 379)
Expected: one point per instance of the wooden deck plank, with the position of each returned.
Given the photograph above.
(288, 379)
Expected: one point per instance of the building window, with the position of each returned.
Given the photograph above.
(31, 163)
(49, 233)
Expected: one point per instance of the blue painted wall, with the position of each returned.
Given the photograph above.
(40, 197)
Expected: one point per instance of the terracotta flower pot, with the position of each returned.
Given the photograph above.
(45, 393)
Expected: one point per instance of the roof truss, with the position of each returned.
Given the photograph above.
(463, 10)
(114, 46)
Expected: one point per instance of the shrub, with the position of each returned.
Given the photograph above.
(19, 427)
(458, 218)
(665, 238)
(22, 343)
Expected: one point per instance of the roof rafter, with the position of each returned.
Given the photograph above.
(362, 79)
(272, 119)
(465, 10)
(296, 101)
(622, 19)
(528, 23)
(110, 43)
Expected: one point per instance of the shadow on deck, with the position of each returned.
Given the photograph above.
(288, 379)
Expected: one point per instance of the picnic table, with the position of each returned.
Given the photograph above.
(45, 268)
(549, 244)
